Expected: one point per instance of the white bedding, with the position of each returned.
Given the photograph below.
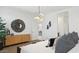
(37, 48)
(40, 48)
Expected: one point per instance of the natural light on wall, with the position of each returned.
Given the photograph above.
(40, 27)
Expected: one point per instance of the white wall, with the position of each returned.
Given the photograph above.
(52, 31)
(74, 19)
(73, 15)
(10, 14)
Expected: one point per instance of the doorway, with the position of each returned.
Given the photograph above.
(63, 24)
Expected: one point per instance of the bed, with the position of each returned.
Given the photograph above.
(40, 47)
(68, 43)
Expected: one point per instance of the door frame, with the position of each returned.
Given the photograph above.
(62, 13)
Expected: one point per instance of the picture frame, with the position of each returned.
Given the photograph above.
(47, 26)
(49, 23)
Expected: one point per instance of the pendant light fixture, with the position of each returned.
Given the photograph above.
(40, 16)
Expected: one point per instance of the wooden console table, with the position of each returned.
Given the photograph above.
(15, 39)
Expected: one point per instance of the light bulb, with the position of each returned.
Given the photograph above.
(37, 17)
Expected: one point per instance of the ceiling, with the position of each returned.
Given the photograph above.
(43, 9)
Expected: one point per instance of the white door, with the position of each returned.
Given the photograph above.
(63, 23)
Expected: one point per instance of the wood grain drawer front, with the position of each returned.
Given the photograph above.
(10, 40)
(17, 39)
